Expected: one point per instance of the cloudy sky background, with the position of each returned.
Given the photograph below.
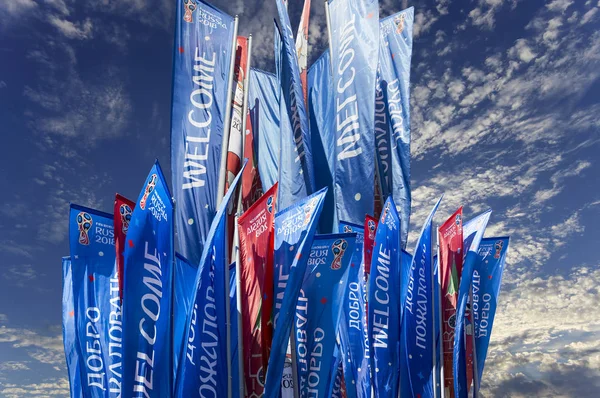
(505, 113)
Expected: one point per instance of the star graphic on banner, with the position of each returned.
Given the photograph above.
(352, 264)
(323, 300)
(418, 395)
(490, 277)
(420, 374)
(72, 313)
(91, 278)
(298, 256)
(180, 50)
(130, 243)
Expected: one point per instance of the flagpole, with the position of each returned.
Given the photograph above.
(441, 324)
(327, 17)
(227, 119)
(433, 305)
(475, 371)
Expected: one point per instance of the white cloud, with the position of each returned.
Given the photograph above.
(588, 16)
(20, 275)
(72, 30)
(522, 51)
(49, 387)
(17, 7)
(559, 5)
(13, 365)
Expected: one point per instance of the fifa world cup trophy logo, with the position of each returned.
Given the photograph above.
(190, 7)
(498, 246)
(339, 248)
(149, 188)
(125, 212)
(347, 229)
(386, 211)
(308, 210)
(270, 204)
(84, 222)
(371, 227)
(399, 21)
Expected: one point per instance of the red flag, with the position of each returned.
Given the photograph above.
(450, 238)
(122, 215)
(302, 48)
(251, 185)
(255, 228)
(370, 229)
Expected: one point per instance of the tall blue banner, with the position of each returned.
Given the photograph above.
(321, 110)
(295, 228)
(147, 292)
(183, 285)
(96, 302)
(69, 333)
(201, 64)
(392, 112)
(318, 311)
(355, 45)
(203, 366)
(263, 103)
(297, 176)
(487, 278)
(353, 334)
(417, 331)
(384, 303)
(472, 234)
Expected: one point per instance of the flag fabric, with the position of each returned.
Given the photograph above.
(69, 332)
(295, 228)
(354, 43)
(96, 302)
(321, 111)
(233, 343)
(450, 238)
(263, 105)
(302, 48)
(255, 228)
(353, 334)
(392, 112)
(123, 209)
(337, 372)
(437, 327)
(251, 185)
(472, 235)
(370, 233)
(202, 61)
(147, 289)
(296, 150)
(487, 278)
(384, 304)
(203, 366)
(183, 285)
(417, 331)
(318, 311)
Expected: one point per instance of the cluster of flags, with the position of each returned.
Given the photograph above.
(278, 264)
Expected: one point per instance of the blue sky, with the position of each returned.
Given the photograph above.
(505, 110)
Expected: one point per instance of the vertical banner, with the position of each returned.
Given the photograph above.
(123, 209)
(472, 234)
(392, 112)
(96, 301)
(183, 285)
(384, 304)
(203, 50)
(263, 104)
(370, 233)
(487, 278)
(295, 228)
(416, 343)
(450, 238)
(251, 185)
(233, 343)
(297, 176)
(353, 334)
(302, 48)
(354, 43)
(147, 326)
(318, 311)
(69, 332)
(255, 228)
(203, 367)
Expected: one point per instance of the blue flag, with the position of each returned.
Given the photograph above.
(320, 103)
(295, 228)
(472, 235)
(392, 112)
(384, 303)
(297, 176)
(203, 365)
(96, 301)
(147, 292)
(487, 277)
(203, 50)
(69, 333)
(353, 334)
(354, 43)
(233, 319)
(318, 311)
(416, 343)
(183, 285)
(437, 324)
(263, 103)
(337, 373)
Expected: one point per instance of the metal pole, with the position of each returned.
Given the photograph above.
(441, 323)
(475, 372)
(327, 17)
(227, 120)
(433, 305)
(228, 319)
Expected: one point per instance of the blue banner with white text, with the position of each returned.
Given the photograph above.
(96, 301)
(183, 285)
(147, 292)
(354, 43)
(392, 112)
(417, 331)
(318, 311)
(295, 228)
(201, 65)
(472, 234)
(69, 333)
